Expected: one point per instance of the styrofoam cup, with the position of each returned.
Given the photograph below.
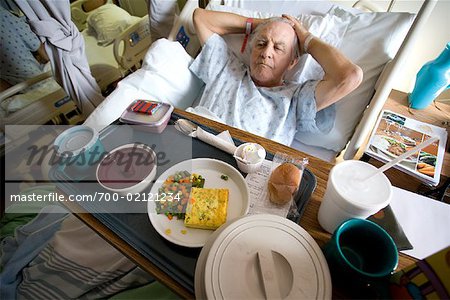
(349, 196)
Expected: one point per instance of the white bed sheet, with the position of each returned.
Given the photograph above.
(104, 67)
(98, 55)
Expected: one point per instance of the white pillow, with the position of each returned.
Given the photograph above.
(109, 21)
(165, 75)
(371, 40)
(329, 28)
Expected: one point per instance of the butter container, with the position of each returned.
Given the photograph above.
(155, 122)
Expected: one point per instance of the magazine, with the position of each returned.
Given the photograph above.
(395, 134)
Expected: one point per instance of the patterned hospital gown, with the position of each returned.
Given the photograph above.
(17, 44)
(275, 113)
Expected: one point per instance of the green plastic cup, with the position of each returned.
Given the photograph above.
(361, 256)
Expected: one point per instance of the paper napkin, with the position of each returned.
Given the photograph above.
(222, 141)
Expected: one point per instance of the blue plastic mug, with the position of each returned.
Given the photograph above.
(361, 256)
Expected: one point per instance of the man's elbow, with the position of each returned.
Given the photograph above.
(340, 85)
(351, 78)
(197, 16)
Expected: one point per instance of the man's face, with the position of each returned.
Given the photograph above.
(272, 54)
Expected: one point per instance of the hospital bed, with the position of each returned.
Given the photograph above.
(376, 41)
(164, 74)
(41, 100)
(115, 41)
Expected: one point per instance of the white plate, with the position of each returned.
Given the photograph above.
(382, 146)
(410, 140)
(211, 169)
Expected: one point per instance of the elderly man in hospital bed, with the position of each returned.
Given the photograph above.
(271, 106)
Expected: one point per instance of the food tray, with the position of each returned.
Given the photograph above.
(135, 228)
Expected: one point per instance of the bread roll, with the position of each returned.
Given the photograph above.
(284, 182)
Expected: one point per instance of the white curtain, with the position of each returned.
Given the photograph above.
(51, 21)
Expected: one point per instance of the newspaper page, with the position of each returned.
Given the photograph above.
(395, 134)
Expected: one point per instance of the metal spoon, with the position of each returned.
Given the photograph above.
(185, 126)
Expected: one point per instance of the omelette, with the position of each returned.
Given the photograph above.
(207, 208)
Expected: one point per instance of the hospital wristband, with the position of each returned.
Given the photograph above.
(248, 31)
(307, 41)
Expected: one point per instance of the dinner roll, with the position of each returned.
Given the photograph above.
(284, 182)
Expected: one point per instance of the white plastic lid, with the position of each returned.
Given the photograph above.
(75, 139)
(355, 194)
(264, 256)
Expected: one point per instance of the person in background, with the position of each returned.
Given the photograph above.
(53, 255)
(257, 98)
(22, 54)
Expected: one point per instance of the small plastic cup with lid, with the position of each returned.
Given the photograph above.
(249, 157)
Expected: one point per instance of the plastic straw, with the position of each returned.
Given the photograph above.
(402, 157)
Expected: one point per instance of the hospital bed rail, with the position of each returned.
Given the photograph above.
(54, 108)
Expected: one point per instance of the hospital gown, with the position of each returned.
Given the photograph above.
(275, 113)
(17, 43)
